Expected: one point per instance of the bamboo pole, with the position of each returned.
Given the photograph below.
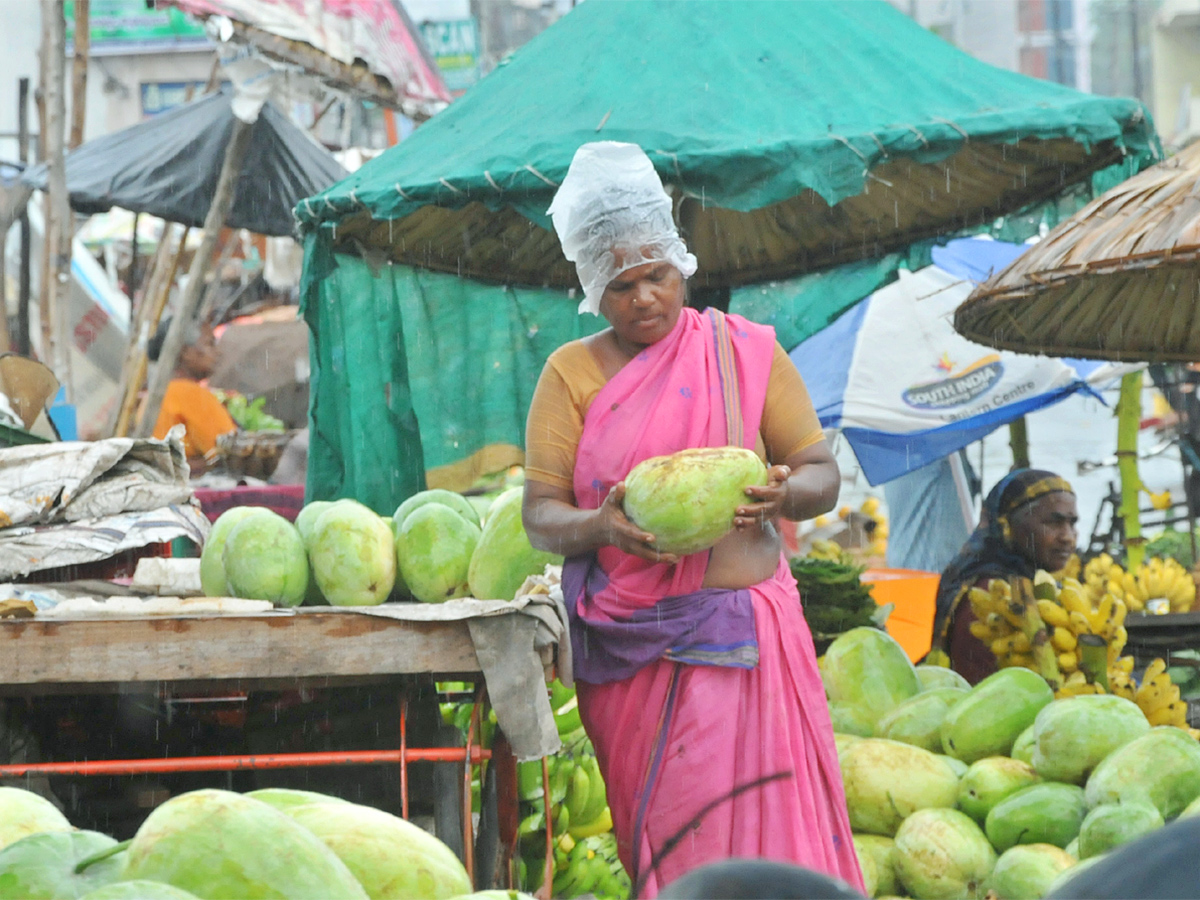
(138, 359)
(24, 344)
(138, 335)
(1018, 441)
(57, 237)
(218, 212)
(1129, 409)
(79, 67)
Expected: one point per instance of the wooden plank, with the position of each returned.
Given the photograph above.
(305, 646)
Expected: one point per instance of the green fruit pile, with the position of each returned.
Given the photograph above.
(960, 792)
(435, 547)
(584, 857)
(215, 844)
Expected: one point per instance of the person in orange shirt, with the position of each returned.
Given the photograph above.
(187, 401)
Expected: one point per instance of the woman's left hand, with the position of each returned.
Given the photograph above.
(768, 500)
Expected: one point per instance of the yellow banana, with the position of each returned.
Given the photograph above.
(983, 632)
(1174, 713)
(1068, 663)
(1072, 600)
(1052, 614)
(1064, 640)
(1079, 623)
(1125, 664)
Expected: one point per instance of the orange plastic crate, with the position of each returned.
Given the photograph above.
(914, 595)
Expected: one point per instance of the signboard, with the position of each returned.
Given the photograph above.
(159, 96)
(455, 49)
(120, 27)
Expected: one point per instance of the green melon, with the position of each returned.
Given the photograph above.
(1162, 768)
(1022, 748)
(885, 781)
(42, 866)
(433, 548)
(882, 853)
(264, 559)
(457, 502)
(687, 500)
(988, 720)
(138, 890)
(941, 854)
(933, 677)
(504, 557)
(353, 556)
(990, 780)
(212, 560)
(219, 845)
(23, 813)
(918, 720)
(392, 859)
(1071, 736)
(867, 674)
(1046, 813)
(1110, 825)
(1025, 872)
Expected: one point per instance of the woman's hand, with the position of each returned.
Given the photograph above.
(554, 523)
(769, 500)
(623, 534)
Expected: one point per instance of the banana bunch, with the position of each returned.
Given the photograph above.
(1073, 614)
(586, 800)
(1160, 578)
(999, 624)
(879, 536)
(592, 867)
(1159, 698)
(822, 548)
(1071, 570)
(1103, 576)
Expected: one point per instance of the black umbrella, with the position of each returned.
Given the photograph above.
(167, 166)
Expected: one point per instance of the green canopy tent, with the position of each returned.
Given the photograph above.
(795, 137)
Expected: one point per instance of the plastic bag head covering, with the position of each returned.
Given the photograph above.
(612, 214)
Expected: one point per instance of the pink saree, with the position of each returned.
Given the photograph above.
(705, 707)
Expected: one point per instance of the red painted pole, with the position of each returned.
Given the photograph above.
(256, 761)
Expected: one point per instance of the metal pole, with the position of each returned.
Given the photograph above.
(218, 211)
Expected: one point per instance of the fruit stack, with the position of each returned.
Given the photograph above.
(998, 789)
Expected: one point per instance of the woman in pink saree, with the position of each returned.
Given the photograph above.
(696, 675)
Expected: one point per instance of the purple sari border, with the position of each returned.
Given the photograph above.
(709, 627)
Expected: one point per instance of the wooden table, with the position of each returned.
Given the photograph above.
(267, 651)
(305, 647)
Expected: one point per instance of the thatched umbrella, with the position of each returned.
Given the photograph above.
(1118, 280)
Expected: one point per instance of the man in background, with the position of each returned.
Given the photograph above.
(187, 401)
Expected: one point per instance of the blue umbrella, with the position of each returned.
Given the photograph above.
(906, 389)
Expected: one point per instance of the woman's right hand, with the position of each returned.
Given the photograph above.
(623, 534)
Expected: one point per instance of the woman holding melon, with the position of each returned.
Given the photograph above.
(695, 672)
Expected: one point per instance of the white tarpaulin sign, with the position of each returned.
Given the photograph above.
(906, 389)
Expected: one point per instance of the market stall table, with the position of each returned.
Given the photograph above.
(263, 651)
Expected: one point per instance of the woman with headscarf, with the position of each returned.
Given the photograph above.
(1027, 523)
(695, 675)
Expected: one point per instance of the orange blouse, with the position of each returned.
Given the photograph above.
(194, 406)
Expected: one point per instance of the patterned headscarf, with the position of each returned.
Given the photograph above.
(990, 551)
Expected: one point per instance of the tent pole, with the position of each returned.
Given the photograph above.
(218, 212)
(79, 67)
